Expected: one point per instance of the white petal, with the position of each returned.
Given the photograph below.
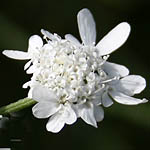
(69, 115)
(40, 93)
(106, 100)
(48, 34)
(98, 113)
(35, 42)
(16, 54)
(124, 99)
(97, 97)
(25, 85)
(55, 123)
(76, 109)
(113, 69)
(114, 39)
(27, 65)
(32, 69)
(87, 27)
(130, 85)
(72, 39)
(30, 93)
(86, 112)
(45, 109)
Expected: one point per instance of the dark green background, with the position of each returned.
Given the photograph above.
(124, 127)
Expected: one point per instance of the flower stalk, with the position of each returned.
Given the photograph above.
(16, 106)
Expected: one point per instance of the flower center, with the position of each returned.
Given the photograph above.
(73, 72)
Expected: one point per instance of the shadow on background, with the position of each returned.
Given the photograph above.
(124, 127)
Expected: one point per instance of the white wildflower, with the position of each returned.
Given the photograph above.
(72, 79)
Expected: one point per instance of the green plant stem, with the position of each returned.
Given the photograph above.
(16, 106)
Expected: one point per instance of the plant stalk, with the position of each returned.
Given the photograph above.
(16, 106)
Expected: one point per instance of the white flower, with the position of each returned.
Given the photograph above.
(72, 79)
(49, 105)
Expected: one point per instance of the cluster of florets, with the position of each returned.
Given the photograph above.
(72, 79)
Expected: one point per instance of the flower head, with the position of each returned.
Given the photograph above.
(72, 79)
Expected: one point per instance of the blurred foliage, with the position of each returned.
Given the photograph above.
(124, 127)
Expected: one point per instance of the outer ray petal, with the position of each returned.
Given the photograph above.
(69, 115)
(72, 39)
(86, 112)
(114, 39)
(98, 113)
(87, 27)
(40, 93)
(124, 99)
(106, 100)
(16, 54)
(45, 109)
(55, 123)
(35, 42)
(113, 69)
(130, 85)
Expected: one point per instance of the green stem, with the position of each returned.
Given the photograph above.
(16, 106)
